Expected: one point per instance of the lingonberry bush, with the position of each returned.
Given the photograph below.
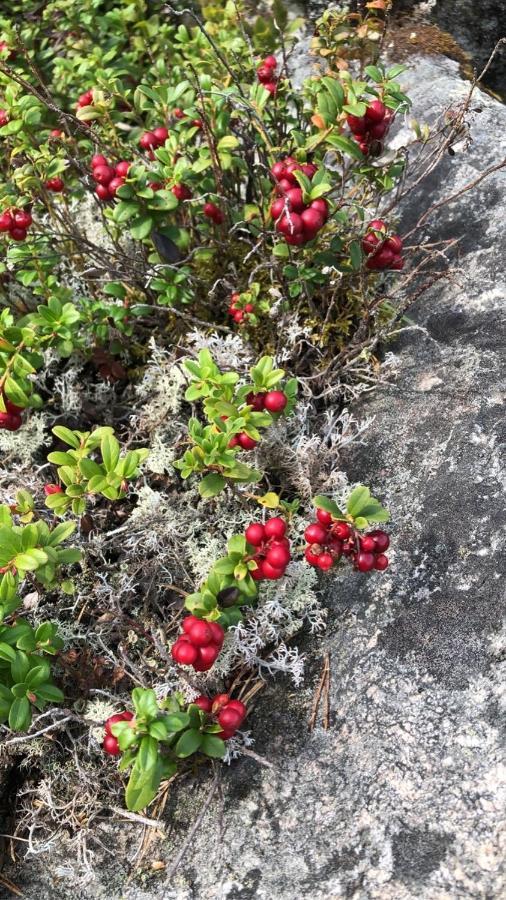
(199, 259)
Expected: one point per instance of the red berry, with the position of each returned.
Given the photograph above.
(217, 632)
(378, 131)
(381, 540)
(321, 206)
(275, 401)
(219, 702)
(315, 534)
(245, 441)
(188, 621)
(257, 401)
(206, 657)
(365, 561)
(375, 112)
(312, 220)
(205, 703)
(335, 547)
(11, 407)
(4, 118)
(271, 62)
(382, 259)
(277, 208)
(381, 562)
(284, 185)
(118, 717)
(114, 184)
(257, 574)
(102, 192)
(103, 174)
(269, 571)
(213, 212)
(309, 169)
(394, 244)
(148, 140)
(341, 530)
(271, 86)
(275, 528)
(370, 243)
(397, 263)
(278, 170)
(357, 124)
(98, 160)
(56, 185)
(229, 719)
(10, 421)
(278, 556)
(199, 633)
(156, 185)
(122, 168)
(197, 123)
(290, 224)
(323, 517)
(311, 556)
(110, 745)
(184, 653)
(264, 74)
(239, 706)
(255, 534)
(161, 134)
(325, 561)
(178, 113)
(367, 544)
(85, 99)
(6, 222)
(182, 192)
(18, 234)
(378, 225)
(52, 489)
(295, 201)
(22, 218)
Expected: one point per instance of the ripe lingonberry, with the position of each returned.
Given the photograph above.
(229, 718)
(269, 571)
(213, 212)
(181, 192)
(275, 401)
(110, 745)
(341, 530)
(381, 540)
(364, 561)
(325, 561)
(122, 168)
(56, 185)
(245, 441)
(125, 716)
(367, 544)
(114, 185)
(278, 556)
(315, 534)
(200, 633)
(98, 160)
(161, 134)
(255, 534)
(275, 528)
(184, 653)
(205, 703)
(148, 140)
(323, 517)
(381, 562)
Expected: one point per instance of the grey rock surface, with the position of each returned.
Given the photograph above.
(403, 797)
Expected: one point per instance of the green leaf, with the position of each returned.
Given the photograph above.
(143, 786)
(211, 485)
(213, 746)
(7, 653)
(188, 743)
(328, 505)
(355, 255)
(376, 74)
(61, 533)
(345, 145)
(177, 721)
(358, 498)
(20, 715)
(66, 435)
(50, 692)
(30, 560)
(141, 227)
(109, 447)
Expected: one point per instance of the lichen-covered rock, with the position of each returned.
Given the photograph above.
(401, 798)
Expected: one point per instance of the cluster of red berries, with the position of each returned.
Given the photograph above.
(180, 114)
(213, 212)
(272, 401)
(329, 539)
(151, 140)
(109, 177)
(383, 252)
(85, 99)
(199, 645)
(110, 743)
(370, 129)
(10, 419)
(238, 313)
(271, 548)
(230, 714)
(16, 222)
(266, 74)
(297, 221)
